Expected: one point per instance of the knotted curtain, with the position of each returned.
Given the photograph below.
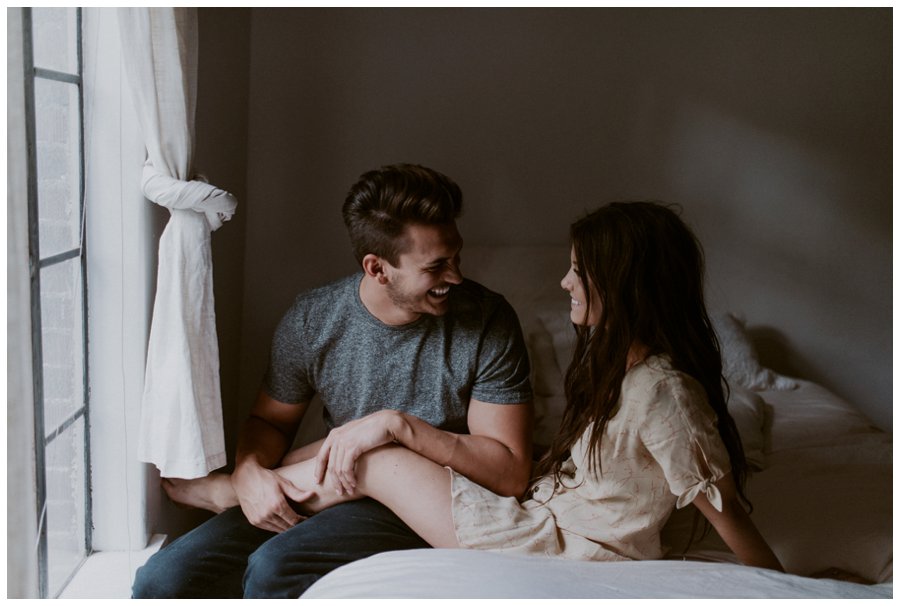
(181, 410)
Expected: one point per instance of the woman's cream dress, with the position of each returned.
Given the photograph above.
(660, 449)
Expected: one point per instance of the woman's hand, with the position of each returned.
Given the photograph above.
(336, 459)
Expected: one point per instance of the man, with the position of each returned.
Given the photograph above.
(405, 352)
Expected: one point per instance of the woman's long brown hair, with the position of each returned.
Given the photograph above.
(647, 268)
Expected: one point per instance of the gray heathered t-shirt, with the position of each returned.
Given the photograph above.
(328, 343)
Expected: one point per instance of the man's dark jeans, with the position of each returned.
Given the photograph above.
(227, 557)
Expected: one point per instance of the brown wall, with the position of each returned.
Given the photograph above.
(771, 127)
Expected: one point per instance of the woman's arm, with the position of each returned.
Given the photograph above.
(736, 528)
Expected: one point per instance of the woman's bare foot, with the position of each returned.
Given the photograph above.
(213, 493)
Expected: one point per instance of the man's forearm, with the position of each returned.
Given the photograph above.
(482, 459)
(260, 443)
(305, 452)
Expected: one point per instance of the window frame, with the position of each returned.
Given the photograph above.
(42, 437)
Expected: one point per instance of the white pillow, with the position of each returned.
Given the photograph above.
(749, 413)
(740, 364)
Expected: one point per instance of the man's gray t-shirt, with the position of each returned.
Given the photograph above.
(328, 343)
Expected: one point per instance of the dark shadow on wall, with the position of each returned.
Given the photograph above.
(775, 351)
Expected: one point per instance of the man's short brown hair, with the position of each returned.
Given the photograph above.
(384, 201)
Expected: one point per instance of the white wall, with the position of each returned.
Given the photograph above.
(21, 521)
(771, 127)
(122, 231)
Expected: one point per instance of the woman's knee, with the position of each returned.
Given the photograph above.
(376, 468)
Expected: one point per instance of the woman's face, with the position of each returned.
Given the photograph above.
(572, 284)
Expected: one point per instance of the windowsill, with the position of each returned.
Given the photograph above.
(109, 574)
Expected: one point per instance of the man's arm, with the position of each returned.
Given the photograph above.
(496, 453)
(264, 439)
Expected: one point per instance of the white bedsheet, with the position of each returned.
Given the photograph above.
(459, 573)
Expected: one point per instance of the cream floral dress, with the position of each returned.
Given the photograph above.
(660, 450)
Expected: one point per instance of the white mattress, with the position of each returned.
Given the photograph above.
(458, 573)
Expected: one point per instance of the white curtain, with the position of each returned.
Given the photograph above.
(181, 412)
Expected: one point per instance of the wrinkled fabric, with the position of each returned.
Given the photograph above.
(181, 410)
(197, 195)
(459, 574)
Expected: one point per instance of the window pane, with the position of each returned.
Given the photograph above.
(55, 39)
(58, 165)
(63, 342)
(65, 507)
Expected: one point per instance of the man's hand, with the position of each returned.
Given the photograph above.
(337, 456)
(263, 497)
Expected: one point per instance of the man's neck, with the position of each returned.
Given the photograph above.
(375, 299)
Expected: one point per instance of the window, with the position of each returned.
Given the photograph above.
(54, 132)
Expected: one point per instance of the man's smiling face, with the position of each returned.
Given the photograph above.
(420, 282)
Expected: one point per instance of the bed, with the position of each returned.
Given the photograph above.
(821, 487)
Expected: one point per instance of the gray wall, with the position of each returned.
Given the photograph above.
(222, 154)
(772, 128)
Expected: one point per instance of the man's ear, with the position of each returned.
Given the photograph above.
(373, 265)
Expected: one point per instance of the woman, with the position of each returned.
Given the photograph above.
(646, 428)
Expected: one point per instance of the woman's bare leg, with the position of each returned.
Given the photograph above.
(413, 487)
(214, 492)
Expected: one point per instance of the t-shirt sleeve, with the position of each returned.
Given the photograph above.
(287, 377)
(503, 374)
(679, 430)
